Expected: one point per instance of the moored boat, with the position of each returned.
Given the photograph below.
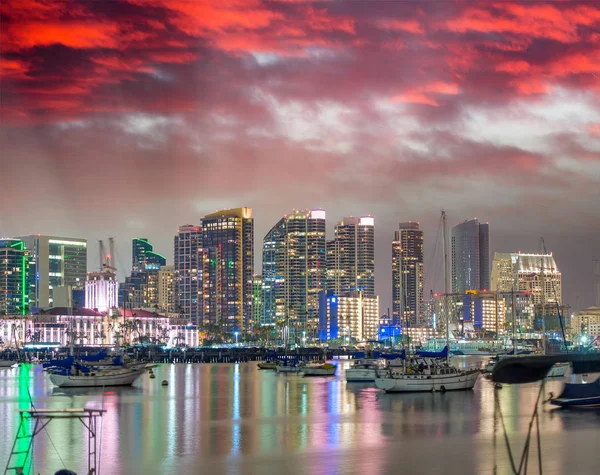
(78, 378)
(267, 365)
(8, 363)
(318, 369)
(574, 395)
(364, 370)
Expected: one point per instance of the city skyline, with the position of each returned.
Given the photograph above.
(432, 269)
(130, 121)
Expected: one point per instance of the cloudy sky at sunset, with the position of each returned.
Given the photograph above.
(130, 118)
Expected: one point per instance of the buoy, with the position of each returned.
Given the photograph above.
(443, 389)
(165, 382)
(497, 386)
(152, 376)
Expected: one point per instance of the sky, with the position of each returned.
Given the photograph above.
(130, 118)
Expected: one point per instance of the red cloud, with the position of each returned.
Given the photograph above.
(412, 26)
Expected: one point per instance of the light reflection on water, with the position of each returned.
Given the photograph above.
(235, 419)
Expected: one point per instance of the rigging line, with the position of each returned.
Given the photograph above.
(525, 456)
(101, 431)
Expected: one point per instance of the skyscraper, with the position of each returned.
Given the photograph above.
(13, 277)
(187, 244)
(351, 257)
(470, 247)
(273, 259)
(228, 267)
(143, 255)
(298, 263)
(55, 262)
(408, 275)
(166, 289)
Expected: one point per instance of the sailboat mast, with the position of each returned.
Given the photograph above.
(514, 327)
(447, 312)
(543, 294)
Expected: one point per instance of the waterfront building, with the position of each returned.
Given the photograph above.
(187, 286)
(470, 251)
(14, 277)
(300, 270)
(585, 325)
(351, 256)
(228, 268)
(166, 288)
(408, 275)
(273, 268)
(484, 311)
(351, 316)
(257, 304)
(95, 328)
(54, 261)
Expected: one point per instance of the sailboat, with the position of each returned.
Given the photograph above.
(426, 373)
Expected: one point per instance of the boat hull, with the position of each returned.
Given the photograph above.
(287, 369)
(266, 366)
(425, 383)
(355, 374)
(318, 371)
(580, 402)
(124, 378)
(7, 363)
(558, 371)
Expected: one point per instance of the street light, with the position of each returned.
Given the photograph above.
(236, 338)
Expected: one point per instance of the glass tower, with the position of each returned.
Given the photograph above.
(143, 255)
(13, 277)
(470, 247)
(228, 268)
(273, 260)
(407, 275)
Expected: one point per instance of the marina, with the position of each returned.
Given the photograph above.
(234, 418)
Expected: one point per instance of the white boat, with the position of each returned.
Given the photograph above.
(364, 370)
(287, 368)
(109, 377)
(318, 369)
(8, 363)
(442, 379)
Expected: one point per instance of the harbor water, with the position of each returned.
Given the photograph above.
(234, 418)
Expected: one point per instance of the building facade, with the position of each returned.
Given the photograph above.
(470, 251)
(228, 268)
(273, 268)
(166, 289)
(408, 275)
(351, 317)
(54, 262)
(298, 271)
(585, 325)
(14, 260)
(351, 256)
(101, 291)
(187, 245)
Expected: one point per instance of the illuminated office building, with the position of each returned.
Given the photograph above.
(407, 275)
(166, 289)
(143, 255)
(13, 277)
(54, 262)
(228, 268)
(351, 256)
(187, 244)
(273, 267)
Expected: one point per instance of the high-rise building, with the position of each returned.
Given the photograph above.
(303, 267)
(273, 267)
(351, 257)
(523, 273)
(257, 299)
(351, 316)
(187, 245)
(143, 255)
(228, 268)
(14, 261)
(54, 262)
(166, 289)
(407, 275)
(470, 246)
(101, 291)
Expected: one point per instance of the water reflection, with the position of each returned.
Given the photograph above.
(236, 419)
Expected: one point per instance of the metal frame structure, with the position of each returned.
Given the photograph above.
(18, 459)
